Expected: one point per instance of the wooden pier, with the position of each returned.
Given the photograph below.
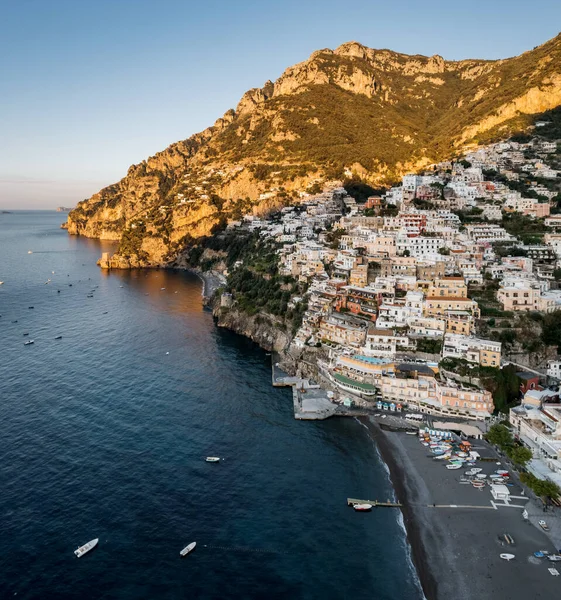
(375, 503)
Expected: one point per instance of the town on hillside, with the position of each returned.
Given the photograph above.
(441, 295)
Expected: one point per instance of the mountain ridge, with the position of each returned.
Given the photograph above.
(376, 113)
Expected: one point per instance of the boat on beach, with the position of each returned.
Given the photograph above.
(212, 459)
(86, 548)
(188, 549)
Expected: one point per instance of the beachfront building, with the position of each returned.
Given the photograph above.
(434, 397)
(486, 353)
(540, 430)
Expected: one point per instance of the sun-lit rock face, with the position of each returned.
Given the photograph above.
(375, 112)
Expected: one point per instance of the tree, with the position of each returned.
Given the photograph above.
(520, 455)
(499, 435)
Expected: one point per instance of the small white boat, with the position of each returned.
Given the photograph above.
(1, 283)
(212, 459)
(452, 467)
(28, 342)
(507, 556)
(362, 507)
(543, 525)
(86, 548)
(29, 252)
(553, 571)
(410, 433)
(554, 557)
(188, 549)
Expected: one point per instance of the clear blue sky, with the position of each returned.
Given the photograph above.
(88, 87)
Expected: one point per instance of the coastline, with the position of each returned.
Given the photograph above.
(419, 553)
(456, 532)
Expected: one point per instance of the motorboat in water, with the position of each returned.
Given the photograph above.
(452, 466)
(86, 548)
(507, 556)
(362, 507)
(212, 459)
(28, 342)
(188, 549)
(554, 557)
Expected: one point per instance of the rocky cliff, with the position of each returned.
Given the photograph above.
(376, 113)
(265, 330)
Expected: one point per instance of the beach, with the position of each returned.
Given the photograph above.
(454, 529)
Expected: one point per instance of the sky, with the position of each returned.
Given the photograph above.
(89, 87)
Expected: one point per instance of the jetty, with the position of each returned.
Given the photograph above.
(374, 503)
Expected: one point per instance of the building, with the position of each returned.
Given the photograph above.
(341, 332)
(448, 287)
(436, 306)
(521, 297)
(540, 430)
(485, 353)
(384, 342)
(554, 369)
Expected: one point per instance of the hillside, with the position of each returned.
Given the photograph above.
(375, 113)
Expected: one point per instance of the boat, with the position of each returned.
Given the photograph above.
(86, 548)
(58, 337)
(212, 459)
(28, 342)
(543, 525)
(30, 307)
(362, 507)
(410, 433)
(553, 571)
(507, 556)
(30, 252)
(452, 466)
(1, 283)
(188, 549)
(25, 334)
(554, 557)
(541, 553)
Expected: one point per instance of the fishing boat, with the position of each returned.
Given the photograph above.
(188, 549)
(28, 342)
(507, 556)
(452, 466)
(362, 507)
(213, 459)
(86, 548)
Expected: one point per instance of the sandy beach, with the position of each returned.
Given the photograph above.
(454, 528)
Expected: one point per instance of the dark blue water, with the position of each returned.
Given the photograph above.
(104, 434)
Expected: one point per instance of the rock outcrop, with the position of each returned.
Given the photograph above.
(374, 112)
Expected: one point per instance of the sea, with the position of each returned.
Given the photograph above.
(105, 431)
